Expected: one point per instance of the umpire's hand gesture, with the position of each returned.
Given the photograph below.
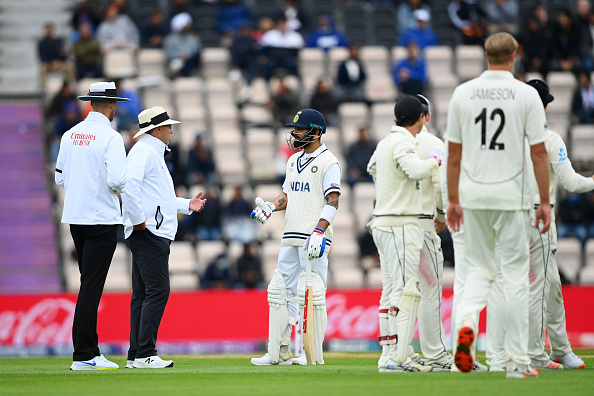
(197, 204)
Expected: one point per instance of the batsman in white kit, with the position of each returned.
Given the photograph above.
(396, 169)
(432, 220)
(310, 196)
(546, 300)
(490, 120)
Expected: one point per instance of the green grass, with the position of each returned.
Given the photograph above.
(343, 374)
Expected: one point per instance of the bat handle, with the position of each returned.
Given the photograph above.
(308, 272)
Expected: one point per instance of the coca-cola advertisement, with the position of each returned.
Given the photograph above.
(220, 321)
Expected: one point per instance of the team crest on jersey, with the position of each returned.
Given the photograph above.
(314, 169)
(296, 118)
(562, 155)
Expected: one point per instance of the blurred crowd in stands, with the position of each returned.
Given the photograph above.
(268, 46)
(551, 40)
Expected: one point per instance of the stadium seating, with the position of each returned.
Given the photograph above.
(569, 257)
(586, 275)
(243, 137)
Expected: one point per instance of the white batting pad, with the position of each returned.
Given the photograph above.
(278, 319)
(319, 309)
(407, 317)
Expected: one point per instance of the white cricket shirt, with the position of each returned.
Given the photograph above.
(493, 117)
(560, 169)
(91, 166)
(309, 179)
(150, 195)
(430, 187)
(396, 169)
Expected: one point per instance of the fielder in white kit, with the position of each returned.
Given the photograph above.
(490, 120)
(546, 300)
(396, 169)
(310, 198)
(432, 220)
(460, 265)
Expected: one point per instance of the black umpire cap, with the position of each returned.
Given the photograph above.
(543, 91)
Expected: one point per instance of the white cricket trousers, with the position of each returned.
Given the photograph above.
(483, 230)
(546, 300)
(542, 261)
(494, 325)
(400, 253)
(556, 324)
(431, 333)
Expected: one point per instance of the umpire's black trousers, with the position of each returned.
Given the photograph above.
(150, 291)
(95, 245)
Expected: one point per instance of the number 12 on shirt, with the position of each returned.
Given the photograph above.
(482, 119)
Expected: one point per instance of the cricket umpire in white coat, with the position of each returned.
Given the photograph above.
(150, 224)
(91, 166)
(491, 120)
(310, 198)
(396, 169)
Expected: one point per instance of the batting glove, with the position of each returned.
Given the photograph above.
(315, 244)
(437, 154)
(262, 211)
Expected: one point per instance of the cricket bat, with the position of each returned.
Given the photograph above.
(307, 331)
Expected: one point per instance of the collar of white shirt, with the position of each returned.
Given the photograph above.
(315, 153)
(497, 74)
(158, 145)
(100, 117)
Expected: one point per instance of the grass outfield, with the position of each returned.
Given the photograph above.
(344, 374)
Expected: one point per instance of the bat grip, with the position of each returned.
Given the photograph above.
(308, 272)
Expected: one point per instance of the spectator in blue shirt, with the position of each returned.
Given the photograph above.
(422, 34)
(127, 114)
(410, 74)
(326, 36)
(233, 14)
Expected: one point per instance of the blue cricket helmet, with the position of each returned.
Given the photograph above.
(309, 118)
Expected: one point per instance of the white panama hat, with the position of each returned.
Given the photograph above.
(151, 118)
(102, 91)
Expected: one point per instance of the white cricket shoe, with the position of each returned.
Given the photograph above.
(153, 362)
(412, 367)
(265, 361)
(497, 369)
(570, 360)
(520, 372)
(545, 365)
(97, 363)
(129, 363)
(444, 365)
(302, 360)
(415, 357)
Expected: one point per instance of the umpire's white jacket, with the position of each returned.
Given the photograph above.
(91, 166)
(150, 195)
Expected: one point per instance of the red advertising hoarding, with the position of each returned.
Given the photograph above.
(206, 321)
